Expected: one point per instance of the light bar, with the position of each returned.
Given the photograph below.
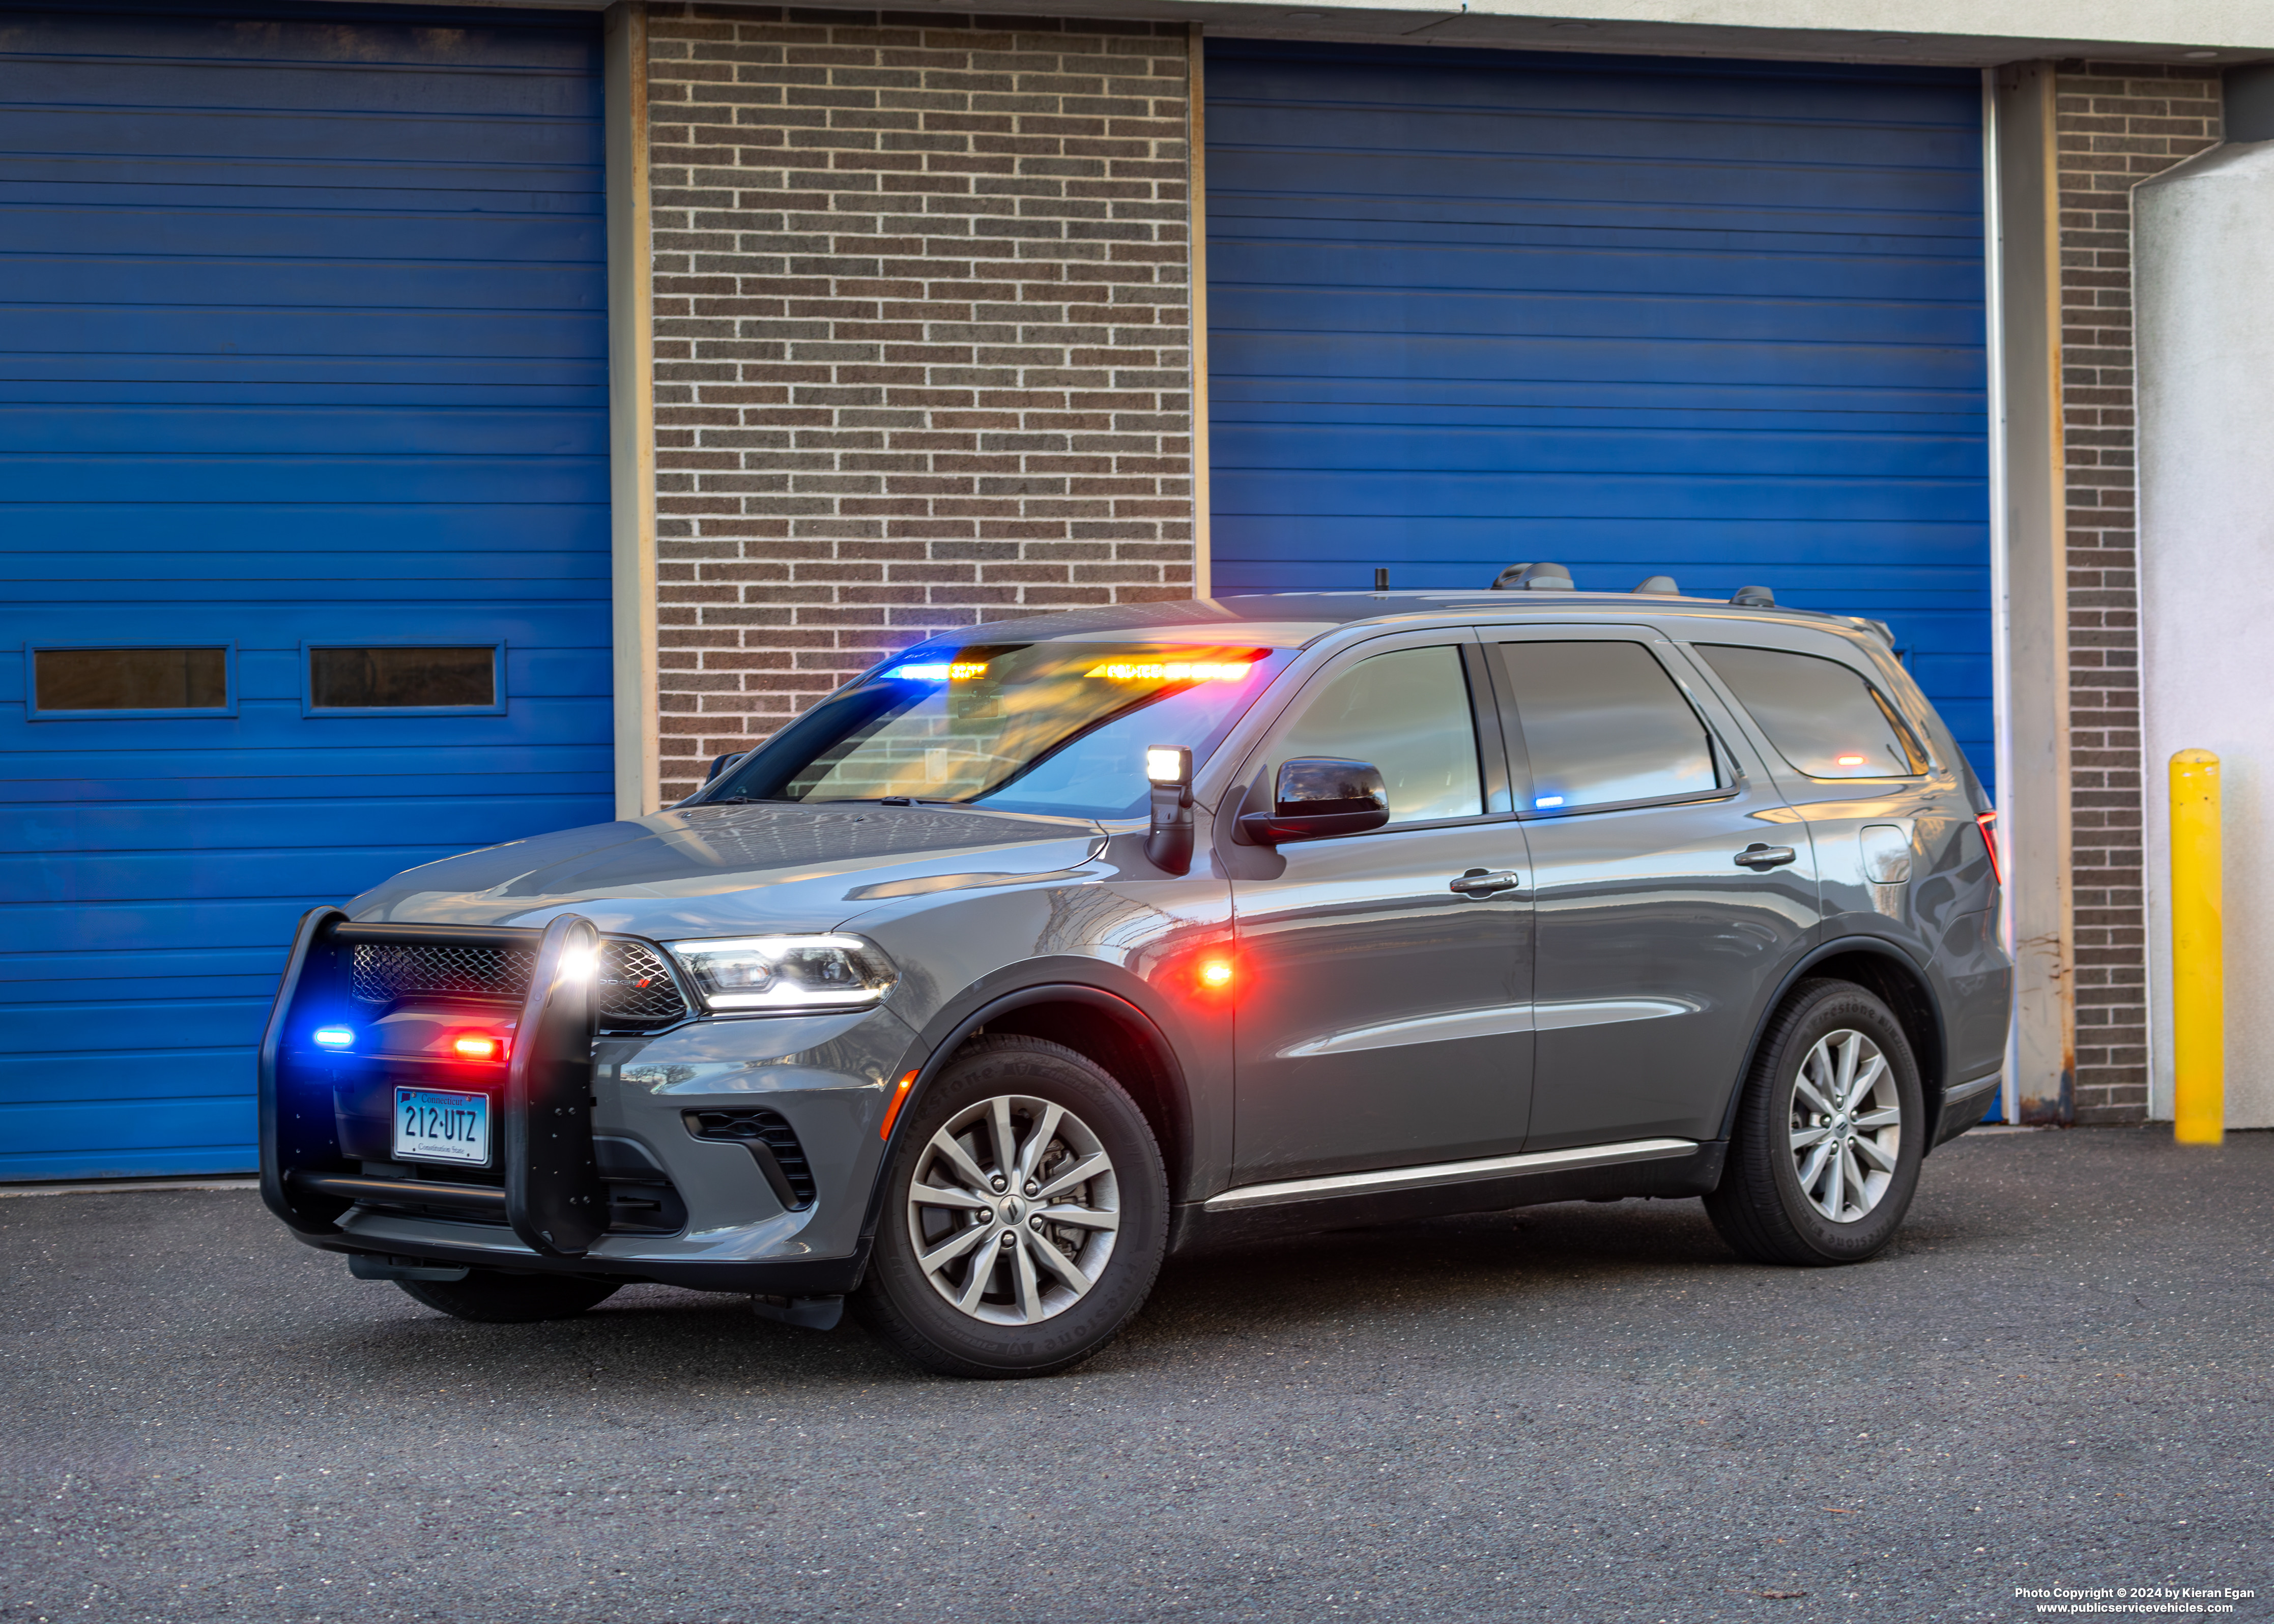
(938, 671)
(1174, 671)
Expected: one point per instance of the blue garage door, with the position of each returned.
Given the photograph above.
(1719, 320)
(303, 505)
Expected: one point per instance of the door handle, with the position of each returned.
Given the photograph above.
(1483, 883)
(1761, 858)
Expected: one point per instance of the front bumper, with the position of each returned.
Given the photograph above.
(732, 1153)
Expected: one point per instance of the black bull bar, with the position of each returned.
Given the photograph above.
(553, 1198)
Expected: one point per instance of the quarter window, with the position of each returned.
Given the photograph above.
(1823, 718)
(1408, 713)
(130, 679)
(1603, 723)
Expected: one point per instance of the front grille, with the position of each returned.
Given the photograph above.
(636, 988)
(770, 1128)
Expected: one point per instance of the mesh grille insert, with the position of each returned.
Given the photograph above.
(770, 1129)
(636, 988)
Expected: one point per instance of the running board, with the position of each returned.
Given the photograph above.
(1435, 1174)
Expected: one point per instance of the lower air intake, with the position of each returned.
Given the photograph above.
(770, 1131)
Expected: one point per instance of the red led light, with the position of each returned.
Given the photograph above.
(1988, 823)
(478, 1046)
(1215, 973)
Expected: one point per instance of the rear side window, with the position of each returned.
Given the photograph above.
(1602, 722)
(1408, 713)
(1823, 718)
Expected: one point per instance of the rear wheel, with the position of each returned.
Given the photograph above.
(1026, 1212)
(490, 1296)
(1829, 1135)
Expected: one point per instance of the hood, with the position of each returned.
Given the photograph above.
(718, 870)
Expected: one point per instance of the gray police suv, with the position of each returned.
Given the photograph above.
(1046, 949)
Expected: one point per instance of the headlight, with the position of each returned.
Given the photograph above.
(786, 973)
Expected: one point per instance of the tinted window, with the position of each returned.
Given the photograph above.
(1822, 717)
(1408, 713)
(1602, 722)
(401, 678)
(1049, 727)
(130, 679)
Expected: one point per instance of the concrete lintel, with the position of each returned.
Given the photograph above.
(631, 410)
(2029, 571)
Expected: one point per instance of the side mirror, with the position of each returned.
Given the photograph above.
(1169, 841)
(1315, 798)
(720, 764)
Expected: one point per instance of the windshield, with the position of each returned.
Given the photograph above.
(1059, 728)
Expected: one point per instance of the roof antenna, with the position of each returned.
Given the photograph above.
(1658, 586)
(1380, 579)
(1753, 597)
(1533, 578)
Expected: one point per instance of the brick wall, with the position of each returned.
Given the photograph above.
(2118, 124)
(921, 340)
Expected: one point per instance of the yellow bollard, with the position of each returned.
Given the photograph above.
(2198, 954)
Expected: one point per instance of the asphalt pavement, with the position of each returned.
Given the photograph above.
(2058, 1377)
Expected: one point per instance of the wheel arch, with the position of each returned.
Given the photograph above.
(1098, 1025)
(1889, 975)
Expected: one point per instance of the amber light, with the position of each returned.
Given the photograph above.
(1849, 761)
(892, 1111)
(478, 1046)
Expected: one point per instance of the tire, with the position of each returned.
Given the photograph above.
(1000, 1299)
(491, 1296)
(1778, 1196)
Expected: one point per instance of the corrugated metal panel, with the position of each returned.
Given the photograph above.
(304, 342)
(1722, 321)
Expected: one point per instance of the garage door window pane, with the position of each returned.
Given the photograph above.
(1602, 722)
(402, 679)
(1408, 713)
(130, 679)
(1822, 717)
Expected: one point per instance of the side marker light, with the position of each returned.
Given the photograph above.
(1548, 801)
(1848, 761)
(1215, 973)
(892, 1111)
(333, 1037)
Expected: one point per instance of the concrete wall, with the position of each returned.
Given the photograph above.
(2205, 235)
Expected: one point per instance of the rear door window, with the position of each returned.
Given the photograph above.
(1823, 717)
(1601, 724)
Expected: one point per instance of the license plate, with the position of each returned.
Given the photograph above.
(433, 1126)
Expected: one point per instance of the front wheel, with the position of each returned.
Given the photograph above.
(1026, 1213)
(1829, 1135)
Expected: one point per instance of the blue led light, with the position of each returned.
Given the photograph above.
(919, 673)
(1548, 801)
(333, 1037)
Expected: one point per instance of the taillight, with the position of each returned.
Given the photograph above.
(1988, 823)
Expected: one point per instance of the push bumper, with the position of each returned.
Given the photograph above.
(724, 1155)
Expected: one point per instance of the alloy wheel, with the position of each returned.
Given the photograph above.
(1013, 1210)
(1847, 1127)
